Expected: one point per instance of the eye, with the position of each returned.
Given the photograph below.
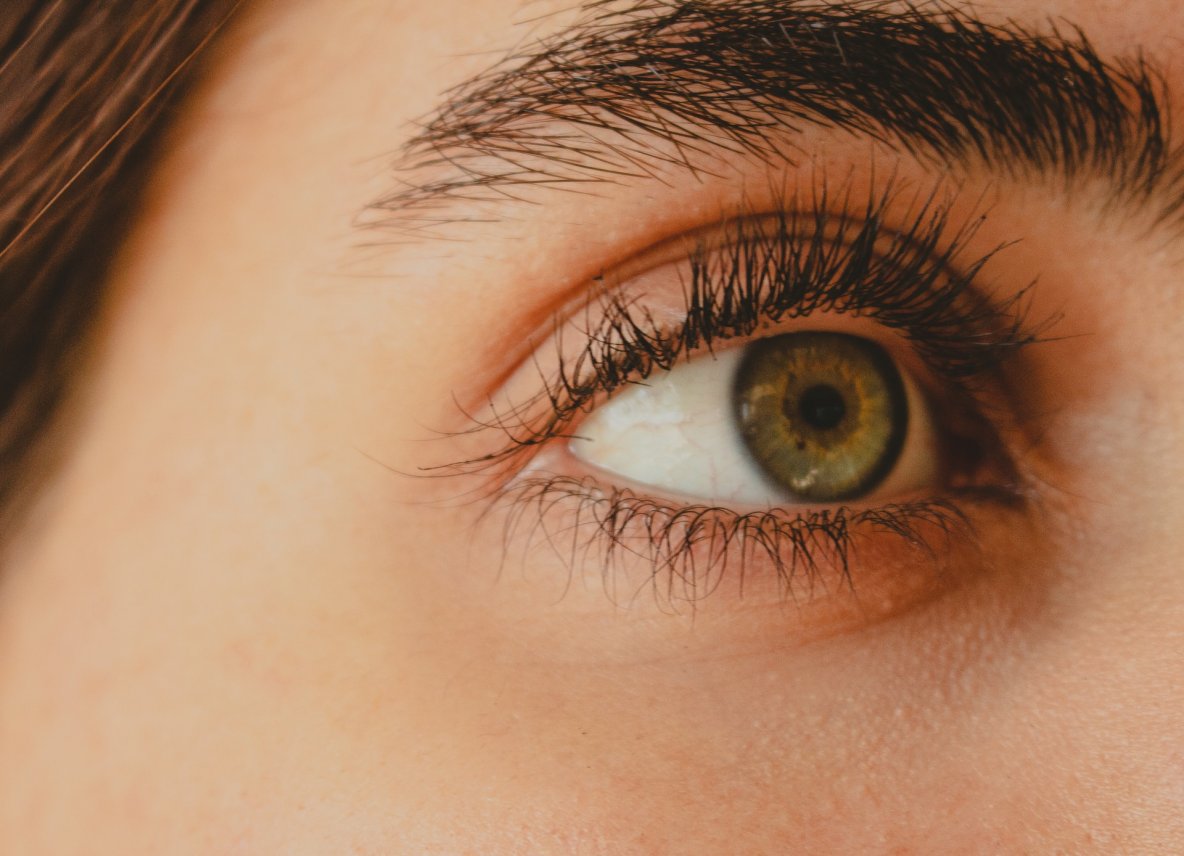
(813, 395)
(811, 417)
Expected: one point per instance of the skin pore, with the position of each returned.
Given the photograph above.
(245, 618)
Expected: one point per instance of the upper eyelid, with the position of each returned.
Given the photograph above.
(565, 394)
(714, 82)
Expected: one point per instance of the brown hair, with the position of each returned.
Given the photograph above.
(86, 89)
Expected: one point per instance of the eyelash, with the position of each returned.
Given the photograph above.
(823, 256)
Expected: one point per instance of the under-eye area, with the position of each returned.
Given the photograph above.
(805, 400)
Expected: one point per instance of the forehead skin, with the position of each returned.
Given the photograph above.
(232, 627)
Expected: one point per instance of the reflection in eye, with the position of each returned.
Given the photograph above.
(807, 417)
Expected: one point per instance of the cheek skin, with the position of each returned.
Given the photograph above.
(237, 625)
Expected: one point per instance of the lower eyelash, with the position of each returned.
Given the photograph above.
(688, 550)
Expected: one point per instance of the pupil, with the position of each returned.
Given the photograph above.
(822, 407)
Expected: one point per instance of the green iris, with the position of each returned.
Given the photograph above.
(823, 414)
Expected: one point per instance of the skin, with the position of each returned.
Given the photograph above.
(234, 624)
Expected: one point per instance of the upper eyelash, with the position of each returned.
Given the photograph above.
(821, 256)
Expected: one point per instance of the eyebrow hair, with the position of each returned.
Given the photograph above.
(713, 79)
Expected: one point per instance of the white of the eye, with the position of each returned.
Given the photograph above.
(677, 433)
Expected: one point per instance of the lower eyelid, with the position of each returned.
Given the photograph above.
(839, 568)
(851, 564)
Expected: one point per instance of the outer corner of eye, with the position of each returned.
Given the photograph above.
(803, 418)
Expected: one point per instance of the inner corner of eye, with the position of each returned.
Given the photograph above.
(802, 418)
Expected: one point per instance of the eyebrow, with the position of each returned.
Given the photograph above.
(629, 90)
